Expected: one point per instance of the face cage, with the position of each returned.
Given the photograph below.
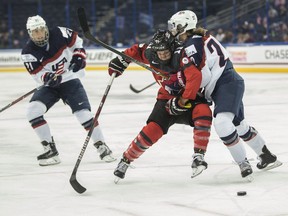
(176, 30)
(42, 42)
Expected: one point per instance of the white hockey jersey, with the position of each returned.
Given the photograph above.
(210, 57)
(58, 51)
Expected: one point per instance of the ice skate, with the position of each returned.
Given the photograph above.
(105, 153)
(121, 169)
(267, 160)
(246, 170)
(198, 164)
(50, 155)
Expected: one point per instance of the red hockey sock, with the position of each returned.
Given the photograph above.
(145, 139)
(202, 117)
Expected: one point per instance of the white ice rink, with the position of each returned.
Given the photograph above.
(160, 184)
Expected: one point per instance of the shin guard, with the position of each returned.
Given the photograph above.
(144, 140)
(202, 118)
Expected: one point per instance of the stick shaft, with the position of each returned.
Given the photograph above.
(73, 180)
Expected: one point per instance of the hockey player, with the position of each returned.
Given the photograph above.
(225, 87)
(169, 109)
(47, 57)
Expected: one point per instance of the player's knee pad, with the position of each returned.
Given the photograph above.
(201, 110)
(223, 124)
(225, 128)
(35, 109)
(153, 131)
(83, 115)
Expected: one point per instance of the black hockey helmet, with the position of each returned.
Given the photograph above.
(162, 40)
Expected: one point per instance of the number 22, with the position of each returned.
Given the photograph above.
(212, 45)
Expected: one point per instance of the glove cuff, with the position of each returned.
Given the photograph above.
(125, 62)
(80, 52)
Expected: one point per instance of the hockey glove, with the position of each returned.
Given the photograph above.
(118, 66)
(173, 106)
(51, 79)
(79, 59)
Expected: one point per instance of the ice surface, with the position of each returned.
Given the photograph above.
(160, 184)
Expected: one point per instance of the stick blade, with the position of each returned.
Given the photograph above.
(133, 89)
(83, 19)
(76, 185)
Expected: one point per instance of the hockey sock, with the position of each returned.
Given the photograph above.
(41, 128)
(201, 132)
(86, 120)
(97, 134)
(202, 118)
(256, 143)
(145, 139)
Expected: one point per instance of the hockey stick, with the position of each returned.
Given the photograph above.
(140, 90)
(73, 181)
(33, 90)
(85, 28)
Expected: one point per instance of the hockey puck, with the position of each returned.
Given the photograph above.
(241, 193)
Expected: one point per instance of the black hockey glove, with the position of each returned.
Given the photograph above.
(78, 59)
(200, 98)
(173, 107)
(118, 66)
(51, 79)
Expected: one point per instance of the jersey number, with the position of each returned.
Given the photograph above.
(212, 45)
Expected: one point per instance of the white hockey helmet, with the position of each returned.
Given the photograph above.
(37, 22)
(182, 21)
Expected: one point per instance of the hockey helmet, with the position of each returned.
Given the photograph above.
(162, 40)
(37, 23)
(182, 21)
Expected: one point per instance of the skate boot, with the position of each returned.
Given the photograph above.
(246, 169)
(198, 164)
(121, 169)
(105, 153)
(267, 160)
(50, 155)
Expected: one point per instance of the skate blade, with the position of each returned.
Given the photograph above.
(197, 171)
(249, 178)
(116, 180)
(51, 161)
(109, 158)
(272, 166)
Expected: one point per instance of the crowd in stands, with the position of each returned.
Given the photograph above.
(255, 29)
(261, 27)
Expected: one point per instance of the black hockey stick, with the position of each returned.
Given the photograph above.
(73, 181)
(140, 90)
(32, 91)
(85, 28)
